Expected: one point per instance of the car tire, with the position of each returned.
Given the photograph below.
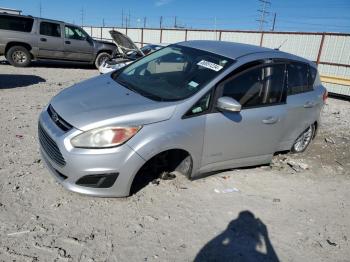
(100, 58)
(304, 140)
(185, 167)
(18, 56)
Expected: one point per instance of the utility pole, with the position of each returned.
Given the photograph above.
(265, 4)
(161, 22)
(144, 22)
(103, 22)
(175, 22)
(274, 22)
(122, 18)
(129, 18)
(216, 38)
(82, 16)
(40, 9)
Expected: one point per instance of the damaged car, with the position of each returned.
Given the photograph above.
(127, 52)
(192, 108)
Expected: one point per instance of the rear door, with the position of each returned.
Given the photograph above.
(253, 134)
(50, 41)
(76, 44)
(301, 100)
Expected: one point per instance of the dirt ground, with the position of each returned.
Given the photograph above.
(297, 209)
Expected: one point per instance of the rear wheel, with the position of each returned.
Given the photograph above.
(100, 58)
(18, 56)
(303, 140)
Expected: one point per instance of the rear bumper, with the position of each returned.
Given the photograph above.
(80, 163)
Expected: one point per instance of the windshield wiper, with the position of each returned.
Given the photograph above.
(138, 91)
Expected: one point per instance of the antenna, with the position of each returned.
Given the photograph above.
(278, 48)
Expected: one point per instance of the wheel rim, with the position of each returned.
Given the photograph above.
(19, 57)
(102, 60)
(304, 139)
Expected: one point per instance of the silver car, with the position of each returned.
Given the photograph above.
(192, 107)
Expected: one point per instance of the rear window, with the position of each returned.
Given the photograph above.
(15, 23)
(50, 29)
(298, 81)
(312, 75)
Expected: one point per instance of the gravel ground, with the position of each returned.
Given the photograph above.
(297, 209)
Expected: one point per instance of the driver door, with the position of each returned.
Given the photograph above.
(251, 136)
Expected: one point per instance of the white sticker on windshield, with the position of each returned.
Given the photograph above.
(193, 84)
(210, 65)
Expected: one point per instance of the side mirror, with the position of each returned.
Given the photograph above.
(226, 103)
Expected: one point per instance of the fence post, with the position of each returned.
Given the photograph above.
(161, 35)
(141, 37)
(220, 35)
(320, 49)
(262, 38)
(101, 32)
(186, 35)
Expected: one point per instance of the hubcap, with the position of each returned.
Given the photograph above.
(19, 57)
(303, 141)
(102, 60)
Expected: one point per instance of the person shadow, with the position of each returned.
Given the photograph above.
(245, 239)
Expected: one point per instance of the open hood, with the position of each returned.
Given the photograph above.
(124, 43)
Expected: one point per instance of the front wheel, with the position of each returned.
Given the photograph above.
(18, 56)
(100, 58)
(303, 140)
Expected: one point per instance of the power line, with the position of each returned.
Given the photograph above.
(265, 4)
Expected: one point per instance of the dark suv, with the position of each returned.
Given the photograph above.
(26, 38)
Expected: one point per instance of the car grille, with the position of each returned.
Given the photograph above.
(59, 121)
(50, 147)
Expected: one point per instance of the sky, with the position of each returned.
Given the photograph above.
(291, 15)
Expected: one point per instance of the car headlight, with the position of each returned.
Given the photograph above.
(105, 137)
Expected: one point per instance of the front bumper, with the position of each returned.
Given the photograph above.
(84, 162)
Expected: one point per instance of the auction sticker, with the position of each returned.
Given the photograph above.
(210, 65)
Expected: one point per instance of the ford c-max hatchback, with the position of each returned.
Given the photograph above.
(192, 107)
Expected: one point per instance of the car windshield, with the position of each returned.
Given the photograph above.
(172, 73)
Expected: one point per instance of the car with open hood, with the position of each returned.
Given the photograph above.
(192, 108)
(127, 52)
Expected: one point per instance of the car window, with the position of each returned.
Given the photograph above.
(74, 33)
(297, 78)
(50, 29)
(172, 73)
(312, 76)
(15, 23)
(201, 106)
(261, 85)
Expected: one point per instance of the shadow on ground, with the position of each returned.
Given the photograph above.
(245, 239)
(13, 81)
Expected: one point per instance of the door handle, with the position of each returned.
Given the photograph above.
(43, 39)
(67, 42)
(309, 104)
(270, 120)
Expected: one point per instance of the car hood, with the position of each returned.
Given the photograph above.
(101, 101)
(105, 42)
(124, 43)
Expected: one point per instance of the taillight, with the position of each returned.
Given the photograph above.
(325, 95)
